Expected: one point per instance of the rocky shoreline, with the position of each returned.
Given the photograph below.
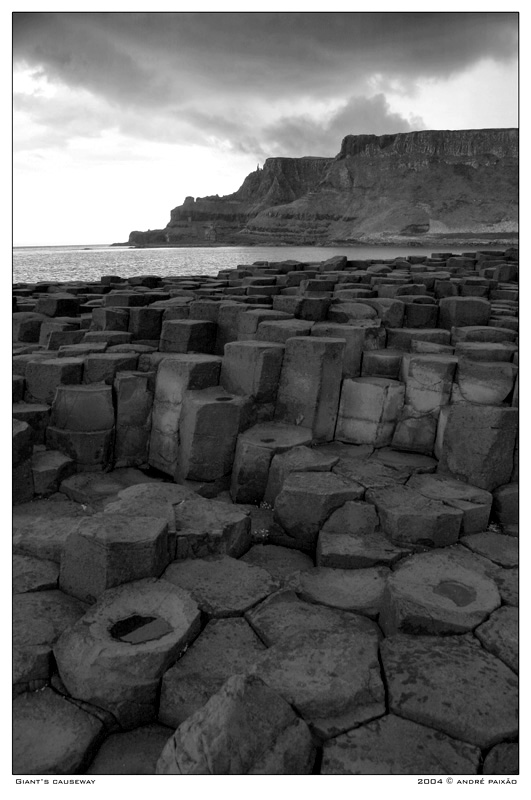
(267, 522)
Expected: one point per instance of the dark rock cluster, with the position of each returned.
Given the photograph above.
(266, 523)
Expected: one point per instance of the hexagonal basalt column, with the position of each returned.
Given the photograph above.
(175, 376)
(252, 369)
(220, 585)
(211, 527)
(473, 502)
(82, 423)
(450, 684)
(485, 382)
(225, 647)
(188, 336)
(310, 383)
(394, 746)
(429, 381)
(457, 311)
(369, 410)
(307, 499)
(208, 429)
(255, 449)
(244, 729)
(431, 594)
(115, 656)
(51, 735)
(44, 376)
(332, 679)
(475, 443)
(406, 516)
(111, 549)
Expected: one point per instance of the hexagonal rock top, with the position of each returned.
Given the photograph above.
(51, 736)
(394, 746)
(357, 590)
(33, 574)
(131, 752)
(97, 489)
(501, 549)
(370, 473)
(226, 647)
(244, 729)
(408, 516)
(280, 562)
(473, 502)
(499, 635)
(283, 615)
(115, 656)
(431, 594)
(305, 502)
(39, 618)
(211, 527)
(220, 585)
(150, 500)
(110, 549)
(452, 685)
(332, 679)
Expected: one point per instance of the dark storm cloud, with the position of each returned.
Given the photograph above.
(182, 73)
(359, 115)
(153, 58)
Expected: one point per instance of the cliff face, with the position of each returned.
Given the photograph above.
(418, 186)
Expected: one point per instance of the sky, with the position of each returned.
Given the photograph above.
(118, 116)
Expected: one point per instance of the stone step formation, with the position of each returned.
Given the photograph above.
(266, 522)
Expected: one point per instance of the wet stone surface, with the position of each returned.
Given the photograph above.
(137, 629)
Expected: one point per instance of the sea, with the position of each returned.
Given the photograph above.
(90, 262)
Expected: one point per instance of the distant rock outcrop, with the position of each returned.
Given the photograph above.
(423, 186)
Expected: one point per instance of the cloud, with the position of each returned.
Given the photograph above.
(162, 59)
(225, 80)
(291, 135)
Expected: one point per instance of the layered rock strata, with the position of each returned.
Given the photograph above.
(432, 186)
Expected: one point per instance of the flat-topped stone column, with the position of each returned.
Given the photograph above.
(255, 449)
(208, 428)
(114, 656)
(475, 443)
(310, 383)
(368, 411)
(176, 374)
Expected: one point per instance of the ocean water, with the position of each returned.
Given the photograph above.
(90, 262)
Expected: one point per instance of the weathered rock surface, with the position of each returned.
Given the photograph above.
(283, 615)
(133, 752)
(332, 679)
(226, 647)
(52, 736)
(394, 746)
(340, 194)
(431, 594)
(221, 586)
(244, 729)
(360, 591)
(499, 635)
(453, 686)
(115, 656)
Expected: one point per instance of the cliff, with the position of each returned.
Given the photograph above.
(405, 187)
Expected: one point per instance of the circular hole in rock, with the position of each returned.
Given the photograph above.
(223, 399)
(137, 629)
(267, 441)
(457, 592)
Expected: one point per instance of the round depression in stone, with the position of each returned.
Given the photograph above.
(430, 593)
(115, 656)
